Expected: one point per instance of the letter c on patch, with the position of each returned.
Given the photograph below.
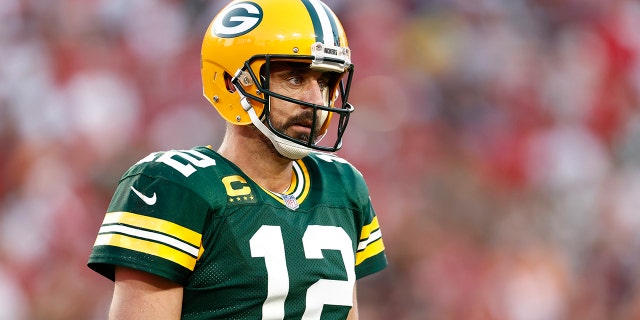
(236, 186)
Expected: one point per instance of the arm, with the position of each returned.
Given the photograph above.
(353, 314)
(139, 295)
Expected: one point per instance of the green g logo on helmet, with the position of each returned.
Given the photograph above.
(237, 20)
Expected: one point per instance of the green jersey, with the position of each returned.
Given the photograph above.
(241, 251)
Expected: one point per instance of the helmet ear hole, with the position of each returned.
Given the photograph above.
(227, 82)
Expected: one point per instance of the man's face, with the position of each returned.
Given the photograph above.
(297, 81)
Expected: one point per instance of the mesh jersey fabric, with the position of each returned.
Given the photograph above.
(241, 251)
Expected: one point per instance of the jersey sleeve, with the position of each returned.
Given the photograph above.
(152, 224)
(370, 254)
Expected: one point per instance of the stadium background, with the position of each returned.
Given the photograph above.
(500, 139)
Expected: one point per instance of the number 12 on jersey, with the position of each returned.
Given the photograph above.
(267, 243)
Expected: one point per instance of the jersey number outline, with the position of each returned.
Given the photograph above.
(268, 243)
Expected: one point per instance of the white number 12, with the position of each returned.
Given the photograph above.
(267, 243)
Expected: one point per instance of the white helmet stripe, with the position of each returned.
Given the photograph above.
(323, 23)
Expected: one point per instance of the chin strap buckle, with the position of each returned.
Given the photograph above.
(243, 77)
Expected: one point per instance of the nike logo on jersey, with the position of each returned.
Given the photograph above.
(148, 200)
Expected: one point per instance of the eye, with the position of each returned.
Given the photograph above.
(295, 80)
(323, 83)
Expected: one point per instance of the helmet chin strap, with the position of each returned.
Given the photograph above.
(286, 148)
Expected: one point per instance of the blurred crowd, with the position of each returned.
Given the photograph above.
(500, 140)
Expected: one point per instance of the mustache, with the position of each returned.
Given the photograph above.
(305, 119)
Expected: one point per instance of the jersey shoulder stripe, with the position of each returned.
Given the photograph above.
(179, 232)
(152, 236)
(370, 242)
(156, 219)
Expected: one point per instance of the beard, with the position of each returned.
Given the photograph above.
(300, 137)
(304, 119)
(293, 129)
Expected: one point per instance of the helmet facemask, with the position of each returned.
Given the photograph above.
(327, 122)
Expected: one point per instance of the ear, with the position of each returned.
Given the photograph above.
(227, 82)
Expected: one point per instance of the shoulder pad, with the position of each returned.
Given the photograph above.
(175, 165)
(334, 168)
(338, 162)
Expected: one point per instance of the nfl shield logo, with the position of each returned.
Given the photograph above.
(290, 201)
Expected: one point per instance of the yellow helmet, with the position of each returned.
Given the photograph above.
(246, 36)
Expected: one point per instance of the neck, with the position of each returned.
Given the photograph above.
(250, 150)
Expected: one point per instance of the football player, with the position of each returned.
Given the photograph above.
(271, 224)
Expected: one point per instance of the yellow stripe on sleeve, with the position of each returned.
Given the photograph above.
(371, 250)
(366, 230)
(147, 247)
(154, 224)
